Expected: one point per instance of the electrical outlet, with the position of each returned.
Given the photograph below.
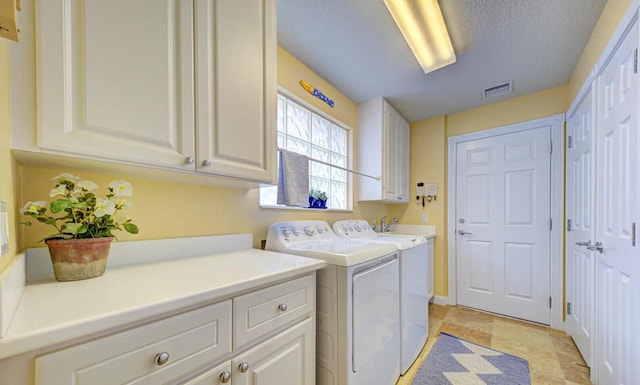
(4, 224)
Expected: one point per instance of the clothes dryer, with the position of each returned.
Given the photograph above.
(358, 296)
(414, 286)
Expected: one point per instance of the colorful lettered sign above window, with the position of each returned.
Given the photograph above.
(315, 92)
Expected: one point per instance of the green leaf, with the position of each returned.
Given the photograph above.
(71, 228)
(57, 236)
(102, 234)
(131, 228)
(50, 221)
(79, 205)
(59, 205)
(83, 229)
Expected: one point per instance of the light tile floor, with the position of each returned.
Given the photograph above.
(552, 355)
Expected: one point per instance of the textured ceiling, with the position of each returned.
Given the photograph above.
(356, 46)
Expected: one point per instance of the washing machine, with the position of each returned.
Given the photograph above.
(358, 296)
(414, 285)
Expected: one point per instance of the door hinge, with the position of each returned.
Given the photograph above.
(633, 234)
(549, 302)
(569, 141)
(550, 224)
(568, 224)
(568, 308)
(635, 61)
(550, 147)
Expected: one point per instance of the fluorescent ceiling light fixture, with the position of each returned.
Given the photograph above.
(422, 25)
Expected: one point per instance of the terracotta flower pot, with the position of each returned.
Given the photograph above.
(76, 259)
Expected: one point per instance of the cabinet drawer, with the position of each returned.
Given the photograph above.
(191, 339)
(260, 312)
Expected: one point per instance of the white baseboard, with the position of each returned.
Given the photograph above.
(440, 300)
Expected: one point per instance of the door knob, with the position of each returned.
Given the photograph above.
(598, 246)
(587, 243)
(462, 232)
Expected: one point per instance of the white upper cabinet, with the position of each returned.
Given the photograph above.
(383, 137)
(236, 91)
(186, 85)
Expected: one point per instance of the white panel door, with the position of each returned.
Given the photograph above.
(580, 213)
(617, 211)
(503, 233)
(115, 79)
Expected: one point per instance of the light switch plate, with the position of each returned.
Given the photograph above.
(4, 224)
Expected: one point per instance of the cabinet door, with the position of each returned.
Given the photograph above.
(390, 156)
(288, 358)
(402, 153)
(236, 88)
(114, 79)
(221, 374)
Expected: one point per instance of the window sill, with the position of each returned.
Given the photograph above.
(306, 209)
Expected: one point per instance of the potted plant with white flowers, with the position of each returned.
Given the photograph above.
(84, 224)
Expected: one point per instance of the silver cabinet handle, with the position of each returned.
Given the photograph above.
(162, 358)
(206, 163)
(282, 307)
(243, 367)
(462, 232)
(225, 377)
(189, 160)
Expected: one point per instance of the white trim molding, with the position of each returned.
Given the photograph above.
(556, 123)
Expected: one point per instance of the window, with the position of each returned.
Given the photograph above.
(306, 132)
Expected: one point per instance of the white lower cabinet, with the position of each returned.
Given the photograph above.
(288, 358)
(283, 359)
(219, 375)
(275, 326)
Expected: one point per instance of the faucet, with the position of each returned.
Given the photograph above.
(384, 227)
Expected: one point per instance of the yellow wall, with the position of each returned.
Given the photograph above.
(428, 165)
(528, 107)
(7, 165)
(610, 17)
(168, 209)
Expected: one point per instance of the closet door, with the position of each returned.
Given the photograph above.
(617, 213)
(580, 206)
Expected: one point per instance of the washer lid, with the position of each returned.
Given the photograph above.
(341, 252)
(360, 230)
(402, 242)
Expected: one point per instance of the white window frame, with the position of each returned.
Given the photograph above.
(349, 176)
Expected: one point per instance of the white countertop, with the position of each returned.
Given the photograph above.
(52, 312)
(427, 231)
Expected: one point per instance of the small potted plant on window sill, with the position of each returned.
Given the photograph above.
(317, 199)
(80, 246)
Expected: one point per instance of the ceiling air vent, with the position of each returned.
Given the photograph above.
(500, 89)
